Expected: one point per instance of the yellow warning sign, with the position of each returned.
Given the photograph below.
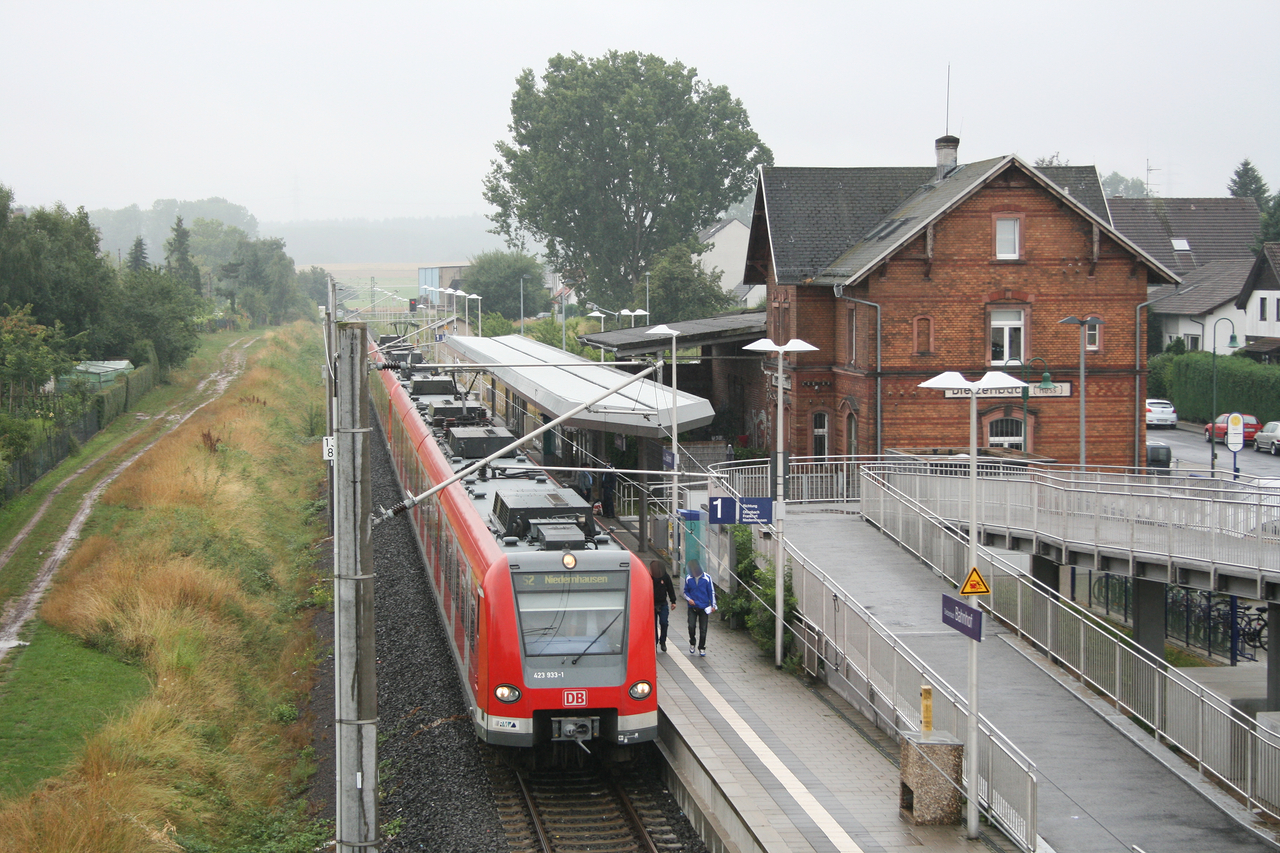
(974, 584)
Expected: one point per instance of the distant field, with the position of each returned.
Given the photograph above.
(401, 279)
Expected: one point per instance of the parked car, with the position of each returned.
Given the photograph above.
(1161, 413)
(1268, 438)
(1218, 429)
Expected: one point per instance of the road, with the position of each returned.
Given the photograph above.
(1191, 451)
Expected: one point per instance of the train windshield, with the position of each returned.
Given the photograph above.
(572, 614)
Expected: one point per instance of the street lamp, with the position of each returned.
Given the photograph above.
(479, 312)
(953, 381)
(646, 294)
(675, 447)
(522, 278)
(1084, 330)
(1213, 415)
(779, 505)
(639, 312)
(1046, 384)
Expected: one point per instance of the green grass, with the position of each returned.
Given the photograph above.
(40, 731)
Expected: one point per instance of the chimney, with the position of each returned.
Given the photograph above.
(947, 148)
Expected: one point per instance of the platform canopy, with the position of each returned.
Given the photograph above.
(556, 381)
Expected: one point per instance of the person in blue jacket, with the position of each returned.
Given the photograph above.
(700, 592)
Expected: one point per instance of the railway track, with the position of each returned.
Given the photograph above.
(576, 810)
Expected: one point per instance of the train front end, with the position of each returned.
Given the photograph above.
(571, 650)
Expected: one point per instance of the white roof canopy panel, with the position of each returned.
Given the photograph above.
(557, 381)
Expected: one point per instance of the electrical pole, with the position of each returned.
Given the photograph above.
(355, 679)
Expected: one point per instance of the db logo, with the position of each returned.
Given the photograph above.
(575, 697)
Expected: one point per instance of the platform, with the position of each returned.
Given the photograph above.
(802, 769)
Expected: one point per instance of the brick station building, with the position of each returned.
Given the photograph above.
(899, 274)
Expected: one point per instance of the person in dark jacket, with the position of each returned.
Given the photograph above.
(700, 592)
(664, 591)
(608, 482)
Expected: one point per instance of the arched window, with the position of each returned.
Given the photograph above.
(851, 434)
(922, 334)
(1005, 432)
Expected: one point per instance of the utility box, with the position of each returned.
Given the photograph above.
(930, 777)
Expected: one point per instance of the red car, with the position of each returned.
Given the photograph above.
(1218, 429)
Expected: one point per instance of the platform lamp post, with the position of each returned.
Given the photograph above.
(1084, 325)
(953, 381)
(675, 448)
(1213, 414)
(522, 278)
(479, 312)
(779, 505)
(1046, 384)
(639, 312)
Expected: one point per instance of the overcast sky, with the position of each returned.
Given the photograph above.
(323, 110)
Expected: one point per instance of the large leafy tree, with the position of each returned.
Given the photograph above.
(1247, 183)
(496, 277)
(613, 160)
(157, 314)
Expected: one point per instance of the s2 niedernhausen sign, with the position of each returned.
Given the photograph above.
(965, 619)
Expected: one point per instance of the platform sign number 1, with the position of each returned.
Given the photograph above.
(723, 511)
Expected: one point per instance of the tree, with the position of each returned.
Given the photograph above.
(1247, 183)
(314, 285)
(137, 259)
(680, 289)
(1053, 159)
(177, 257)
(1270, 221)
(157, 313)
(1117, 184)
(31, 354)
(614, 160)
(496, 277)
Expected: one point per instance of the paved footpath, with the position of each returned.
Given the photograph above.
(1098, 790)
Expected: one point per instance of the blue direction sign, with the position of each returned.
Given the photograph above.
(740, 511)
(965, 619)
(668, 459)
(755, 510)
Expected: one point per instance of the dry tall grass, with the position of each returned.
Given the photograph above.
(198, 582)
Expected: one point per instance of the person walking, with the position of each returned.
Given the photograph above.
(664, 591)
(700, 592)
(585, 481)
(608, 482)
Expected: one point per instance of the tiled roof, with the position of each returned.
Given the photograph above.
(721, 328)
(1215, 229)
(828, 224)
(1264, 275)
(1206, 288)
(816, 214)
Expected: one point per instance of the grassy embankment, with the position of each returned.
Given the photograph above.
(156, 706)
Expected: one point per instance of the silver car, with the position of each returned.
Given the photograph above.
(1268, 438)
(1161, 413)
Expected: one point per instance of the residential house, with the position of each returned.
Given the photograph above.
(1207, 241)
(1259, 299)
(898, 274)
(728, 252)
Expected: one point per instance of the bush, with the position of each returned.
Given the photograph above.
(16, 436)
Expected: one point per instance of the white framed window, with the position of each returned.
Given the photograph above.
(1092, 336)
(1262, 308)
(1008, 238)
(819, 445)
(1193, 343)
(1005, 432)
(1006, 335)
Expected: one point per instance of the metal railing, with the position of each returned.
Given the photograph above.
(869, 667)
(1222, 742)
(1230, 526)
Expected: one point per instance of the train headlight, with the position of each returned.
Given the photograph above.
(506, 693)
(568, 560)
(641, 690)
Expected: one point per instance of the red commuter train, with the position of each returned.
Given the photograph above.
(549, 618)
